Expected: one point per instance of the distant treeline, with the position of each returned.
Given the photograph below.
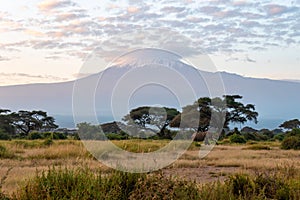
(203, 116)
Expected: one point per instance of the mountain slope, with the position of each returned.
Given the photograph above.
(275, 100)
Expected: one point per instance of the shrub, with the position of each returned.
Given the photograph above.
(54, 135)
(241, 185)
(115, 136)
(291, 142)
(251, 136)
(59, 136)
(272, 186)
(294, 132)
(4, 136)
(279, 137)
(35, 136)
(235, 138)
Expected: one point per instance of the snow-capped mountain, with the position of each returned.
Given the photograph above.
(151, 77)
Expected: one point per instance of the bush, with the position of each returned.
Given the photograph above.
(35, 136)
(59, 136)
(294, 132)
(272, 186)
(117, 136)
(235, 138)
(291, 142)
(4, 136)
(241, 185)
(279, 137)
(55, 135)
(251, 136)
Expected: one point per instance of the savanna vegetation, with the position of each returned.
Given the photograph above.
(64, 169)
(37, 161)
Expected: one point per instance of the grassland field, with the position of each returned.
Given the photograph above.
(22, 160)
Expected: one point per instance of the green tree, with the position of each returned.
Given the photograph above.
(290, 124)
(6, 122)
(237, 112)
(147, 117)
(198, 116)
(26, 121)
(215, 113)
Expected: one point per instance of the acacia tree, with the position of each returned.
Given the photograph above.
(237, 112)
(6, 122)
(147, 117)
(290, 124)
(198, 115)
(26, 121)
(216, 113)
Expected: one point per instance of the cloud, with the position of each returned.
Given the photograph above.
(4, 58)
(23, 78)
(191, 26)
(247, 59)
(132, 9)
(34, 33)
(274, 9)
(243, 58)
(49, 5)
(172, 9)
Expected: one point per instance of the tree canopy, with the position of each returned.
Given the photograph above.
(24, 122)
(6, 122)
(290, 124)
(147, 117)
(216, 112)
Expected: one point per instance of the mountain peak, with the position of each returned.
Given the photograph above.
(148, 56)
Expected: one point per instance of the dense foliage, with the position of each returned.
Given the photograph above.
(215, 113)
(23, 122)
(153, 119)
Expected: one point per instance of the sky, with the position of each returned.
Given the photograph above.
(50, 40)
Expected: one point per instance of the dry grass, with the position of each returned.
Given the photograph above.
(221, 162)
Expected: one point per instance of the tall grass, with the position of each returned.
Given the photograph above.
(57, 183)
(78, 184)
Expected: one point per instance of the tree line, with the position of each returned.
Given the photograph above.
(157, 122)
(163, 122)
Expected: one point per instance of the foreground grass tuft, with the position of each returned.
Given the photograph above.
(78, 184)
(4, 153)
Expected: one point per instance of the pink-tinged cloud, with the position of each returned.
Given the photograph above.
(240, 3)
(132, 9)
(275, 9)
(34, 33)
(52, 4)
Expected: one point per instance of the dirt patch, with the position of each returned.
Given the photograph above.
(202, 174)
